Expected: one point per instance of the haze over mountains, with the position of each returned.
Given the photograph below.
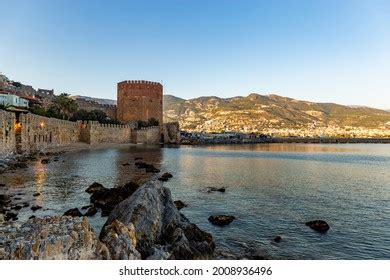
(256, 112)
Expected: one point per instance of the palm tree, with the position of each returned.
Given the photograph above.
(65, 105)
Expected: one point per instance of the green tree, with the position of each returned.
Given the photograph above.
(64, 105)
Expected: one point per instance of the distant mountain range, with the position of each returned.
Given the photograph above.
(256, 112)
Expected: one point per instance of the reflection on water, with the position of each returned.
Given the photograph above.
(284, 148)
(272, 189)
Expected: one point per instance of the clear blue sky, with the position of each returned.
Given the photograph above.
(336, 51)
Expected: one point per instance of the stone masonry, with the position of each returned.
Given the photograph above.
(31, 133)
(7, 133)
(140, 100)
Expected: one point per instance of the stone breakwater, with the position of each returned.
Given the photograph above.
(147, 225)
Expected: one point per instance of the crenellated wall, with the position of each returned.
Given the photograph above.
(139, 100)
(38, 133)
(147, 135)
(31, 133)
(7, 133)
(92, 132)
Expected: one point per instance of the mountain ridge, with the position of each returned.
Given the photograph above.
(257, 113)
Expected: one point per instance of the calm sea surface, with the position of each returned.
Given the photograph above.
(271, 189)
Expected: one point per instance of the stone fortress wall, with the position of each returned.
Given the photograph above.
(38, 133)
(92, 132)
(171, 132)
(147, 135)
(7, 133)
(31, 133)
(139, 100)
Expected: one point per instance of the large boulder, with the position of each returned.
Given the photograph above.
(107, 199)
(121, 241)
(160, 230)
(51, 238)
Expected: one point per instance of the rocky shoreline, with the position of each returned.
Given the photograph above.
(146, 225)
(143, 222)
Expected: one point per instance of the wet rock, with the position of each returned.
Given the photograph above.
(179, 204)
(109, 198)
(278, 239)
(20, 165)
(152, 169)
(5, 200)
(167, 175)
(52, 238)
(91, 211)
(121, 241)
(256, 254)
(159, 226)
(149, 168)
(95, 187)
(158, 253)
(318, 225)
(74, 212)
(221, 220)
(212, 189)
(17, 207)
(36, 194)
(36, 207)
(11, 216)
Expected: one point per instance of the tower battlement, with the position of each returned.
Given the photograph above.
(139, 100)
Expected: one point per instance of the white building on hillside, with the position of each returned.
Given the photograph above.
(13, 100)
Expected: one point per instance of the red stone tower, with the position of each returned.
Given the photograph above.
(140, 100)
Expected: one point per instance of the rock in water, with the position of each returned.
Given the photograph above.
(35, 207)
(107, 199)
(179, 204)
(167, 175)
(213, 189)
(221, 220)
(95, 187)
(121, 241)
(278, 238)
(45, 161)
(159, 226)
(91, 211)
(51, 238)
(74, 212)
(5, 200)
(318, 225)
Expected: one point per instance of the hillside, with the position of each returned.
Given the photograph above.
(259, 113)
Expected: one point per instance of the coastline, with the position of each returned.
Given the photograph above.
(287, 140)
